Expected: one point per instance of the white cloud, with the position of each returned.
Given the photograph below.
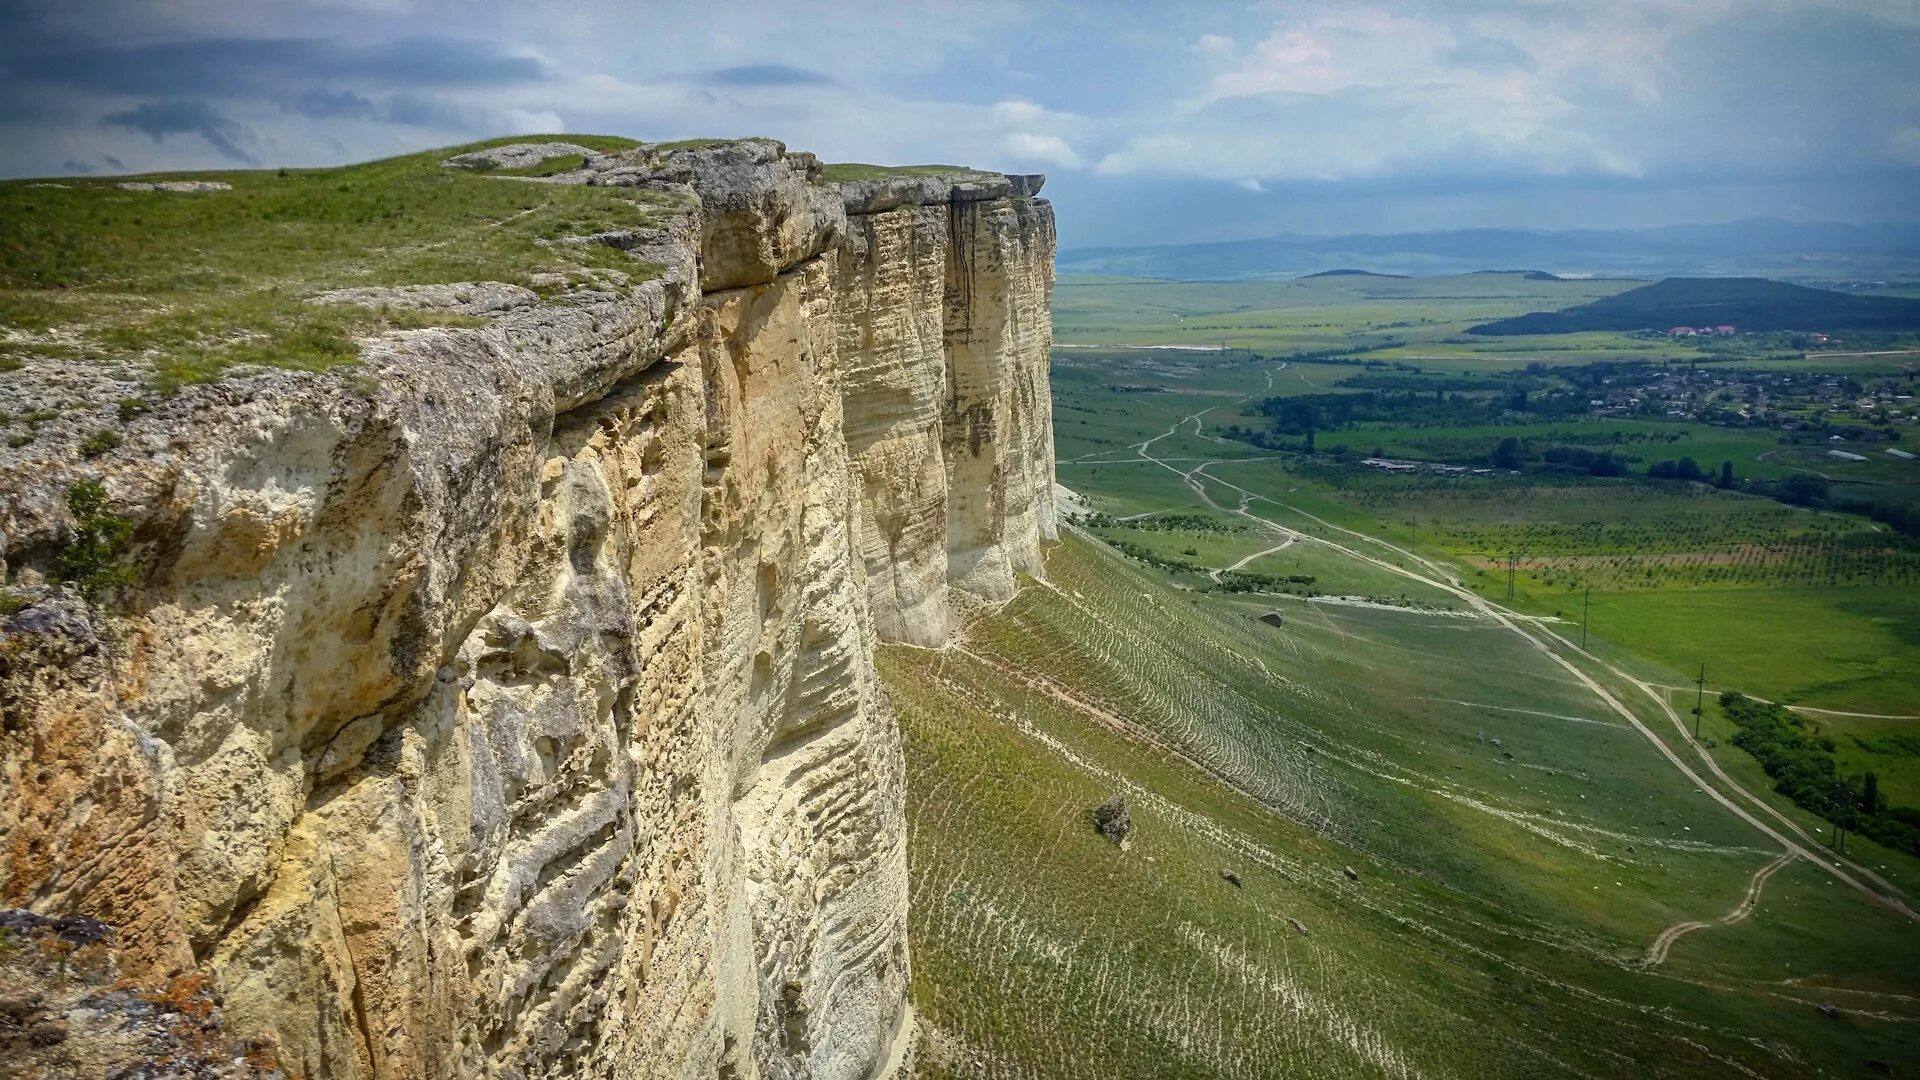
(1052, 149)
(1252, 94)
(521, 121)
(1018, 112)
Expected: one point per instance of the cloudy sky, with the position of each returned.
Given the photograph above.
(1156, 122)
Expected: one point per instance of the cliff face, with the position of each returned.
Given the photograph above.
(509, 709)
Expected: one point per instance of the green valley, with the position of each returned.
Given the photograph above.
(1297, 657)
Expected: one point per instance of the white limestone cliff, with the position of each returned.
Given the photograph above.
(511, 712)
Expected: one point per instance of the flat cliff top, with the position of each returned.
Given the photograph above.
(181, 279)
(117, 292)
(143, 320)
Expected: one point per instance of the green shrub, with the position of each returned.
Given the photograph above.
(90, 561)
(100, 442)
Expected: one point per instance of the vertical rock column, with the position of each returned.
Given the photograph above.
(998, 418)
(890, 317)
(809, 869)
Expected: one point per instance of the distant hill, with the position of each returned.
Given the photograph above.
(1757, 246)
(1749, 304)
(1349, 272)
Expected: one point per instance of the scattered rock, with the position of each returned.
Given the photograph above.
(459, 298)
(1630, 850)
(182, 186)
(1298, 925)
(1230, 877)
(1111, 820)
(72, 930)
(66, 1010)
(1352, 874)
(1829, 1010)
(1880, 1066)
(516, 155)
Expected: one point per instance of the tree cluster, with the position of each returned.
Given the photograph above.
(1802, 768)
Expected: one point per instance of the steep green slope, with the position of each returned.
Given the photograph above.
(1518, 852)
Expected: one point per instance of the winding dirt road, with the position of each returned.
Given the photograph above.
(1657, 952)
(1794, 840)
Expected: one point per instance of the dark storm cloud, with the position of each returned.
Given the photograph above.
(159, 119)
(407, 107)
(430, 111)
(224, 67)
(319, 104)
(78, 167)
(767, 75)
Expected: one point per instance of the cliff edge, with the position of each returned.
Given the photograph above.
(501, 702)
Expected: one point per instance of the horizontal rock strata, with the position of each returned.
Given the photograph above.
(506, 707)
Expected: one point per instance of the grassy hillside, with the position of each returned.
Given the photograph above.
(1517, 851)
(1554, 877)
(178, 287)
(1750, 304)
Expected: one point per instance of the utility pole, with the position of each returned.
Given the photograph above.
(1416, 529)
(1700, 702)
(1513, 560)
(1584, 602)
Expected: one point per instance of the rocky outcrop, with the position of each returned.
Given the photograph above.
(506, 707)
(945, 334)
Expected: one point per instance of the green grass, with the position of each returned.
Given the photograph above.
(549, 166)
(853, 170)
(1401, 709)
(192, 284)
(1849, 649)
(1498, 916)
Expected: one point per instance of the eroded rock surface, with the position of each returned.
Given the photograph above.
(506, 707)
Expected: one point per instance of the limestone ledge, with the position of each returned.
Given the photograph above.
(506, 707)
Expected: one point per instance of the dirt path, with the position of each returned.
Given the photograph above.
(1657, 952)
(1801, 708)
(1281, 546)
(1793, 839)
(1856, 715)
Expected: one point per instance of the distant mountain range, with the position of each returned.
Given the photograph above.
(1747, 304)
(1755, 246)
